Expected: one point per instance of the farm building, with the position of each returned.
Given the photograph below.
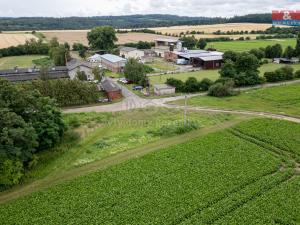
(197, 58)
(128, 52)
(163, 89)
(113, 63)
(286, 60)
(27, 74)
(163, 45)
(95, 58)
(76, 65)
(111, 89)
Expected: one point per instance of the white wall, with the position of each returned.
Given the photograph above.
(136, 54)
(88, 72)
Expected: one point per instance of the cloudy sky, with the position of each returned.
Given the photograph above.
(210, 8)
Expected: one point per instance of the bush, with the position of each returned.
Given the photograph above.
(178, 84)
(297, 74)
(175, 128)
(220, 89)
(192, 85)
(148, 69)
(66, 92)
(282, 74)
(205, 84)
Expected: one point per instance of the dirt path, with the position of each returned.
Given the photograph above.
(64, 176)
(241, 112)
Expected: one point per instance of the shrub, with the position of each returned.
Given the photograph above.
(220, 89)
(178, 84)
(281, 74)
(192, 85)
(175, 128)
(148, 69)
(297, 74)
(205, 84)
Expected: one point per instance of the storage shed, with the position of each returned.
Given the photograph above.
(164, 89)
(112, 90)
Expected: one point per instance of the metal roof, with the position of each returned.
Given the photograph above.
(74, 63)
(28, 71)
(109, 86)
(113, 58)
(211, 58)
(128, 49)
(199, 53)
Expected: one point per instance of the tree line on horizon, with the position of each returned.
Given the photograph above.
(119, 22)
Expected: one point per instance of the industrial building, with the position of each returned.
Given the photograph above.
(197, 58)
(113, 63)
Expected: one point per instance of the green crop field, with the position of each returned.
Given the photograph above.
(96, 136)
(213, 74)
(283, 100)
(243, 175)
(240, 46)
(20, 61)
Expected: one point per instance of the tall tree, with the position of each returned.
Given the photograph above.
(202, 44)
(297, 48)
(189, 42)
(289, 52)
(135, 71)
(29, 123)
(102, 38)
(98, 74)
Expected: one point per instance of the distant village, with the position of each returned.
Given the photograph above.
(169, 49)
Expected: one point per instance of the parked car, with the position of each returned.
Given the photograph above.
(123, 80)
(137, 88)
(103, 100)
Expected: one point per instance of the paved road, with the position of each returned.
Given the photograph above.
(132, 101)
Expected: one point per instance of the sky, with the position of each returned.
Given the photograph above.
(208, 8)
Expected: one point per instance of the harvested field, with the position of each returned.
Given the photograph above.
(72, 36)
(212, 28)
(234, 37)
(14, 39)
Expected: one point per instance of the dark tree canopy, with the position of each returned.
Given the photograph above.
(102, 38)
(189, 42)
(130, 21)
(29, 123)
(134, 71)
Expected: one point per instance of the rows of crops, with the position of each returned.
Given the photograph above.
(232, 177)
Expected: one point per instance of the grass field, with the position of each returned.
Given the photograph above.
(244, 175)
(20, 61)
(14, 39)
(240, 46)
(213, 74)
(282, 100)
(159, 65)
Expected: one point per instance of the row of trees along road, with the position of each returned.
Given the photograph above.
(29, 123)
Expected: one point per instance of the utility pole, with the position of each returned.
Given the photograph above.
(185, 110)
